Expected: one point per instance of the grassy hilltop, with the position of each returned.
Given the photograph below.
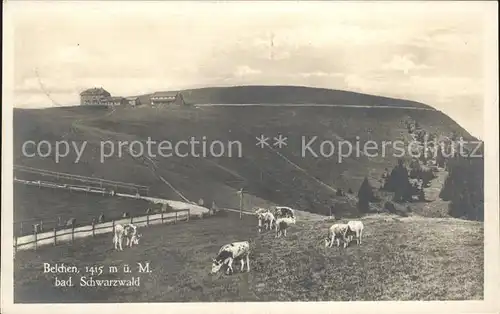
(281, 176)
(285, 95)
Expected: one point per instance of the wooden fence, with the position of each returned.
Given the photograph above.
(26, 226)
(55, 236)
(101, 183)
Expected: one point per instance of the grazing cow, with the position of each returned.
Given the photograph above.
(230, 252)
(267, 219)
(37, 228)
(101, 218)
(282, 225)
(129, 232)
(355, 228)
(71, 222)
(336, 232)
(283, 212)
(260, 210)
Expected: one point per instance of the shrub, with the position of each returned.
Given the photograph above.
(390, 207)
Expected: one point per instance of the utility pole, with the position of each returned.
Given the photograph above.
(241, 202)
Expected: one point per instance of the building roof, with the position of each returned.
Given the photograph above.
(132, 98)
(116, 98)
(95, 91)
(165, 94)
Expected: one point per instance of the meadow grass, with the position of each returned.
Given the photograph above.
(399, 259)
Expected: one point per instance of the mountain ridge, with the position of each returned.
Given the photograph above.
(285, 94)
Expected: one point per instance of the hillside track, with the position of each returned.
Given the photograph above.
(150, 163)
(318, 105)
(399, 259)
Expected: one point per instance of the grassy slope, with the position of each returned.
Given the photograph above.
(406, 259)
(266, 176)
(46, 204)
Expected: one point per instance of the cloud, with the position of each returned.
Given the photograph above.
(245, 70)
(320, 74)
(404, 63)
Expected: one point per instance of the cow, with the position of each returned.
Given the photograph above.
(336, 232)
(260, 210)
(101, 218)
(230, 252)
(37, 228)
(71, 222)
(355, 227)
(282, 225)
(267, 219)
(283, 212)
(129, 232)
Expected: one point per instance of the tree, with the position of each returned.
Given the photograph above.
(365, 196)
(399, 183)
(440, 160)
(464, 188)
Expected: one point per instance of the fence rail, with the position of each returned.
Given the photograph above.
(88, 180)
(74, 187)
(55, 236)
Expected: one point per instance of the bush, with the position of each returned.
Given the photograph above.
(365, 196)
(390, 207)
(464, 188)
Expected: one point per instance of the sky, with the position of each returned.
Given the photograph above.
(427, 52)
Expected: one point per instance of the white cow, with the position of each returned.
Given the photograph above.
(129, 232)
(355, 228)
(283, 211)
(230, 252)
(260, 210)
(267, 219)
(282, 225)
(336, 232)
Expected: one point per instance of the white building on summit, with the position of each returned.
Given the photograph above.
(94, 97)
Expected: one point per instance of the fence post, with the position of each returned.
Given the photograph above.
(72, 233)
(35, 234)
(58, 220)
(131, 219)
(21, 228)
(189, 214)
(93, 227)
(41, 225)
(55, 236)
(162, 217)
(147, 219)
(175, 221)
(15, 245)
(113, 226)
